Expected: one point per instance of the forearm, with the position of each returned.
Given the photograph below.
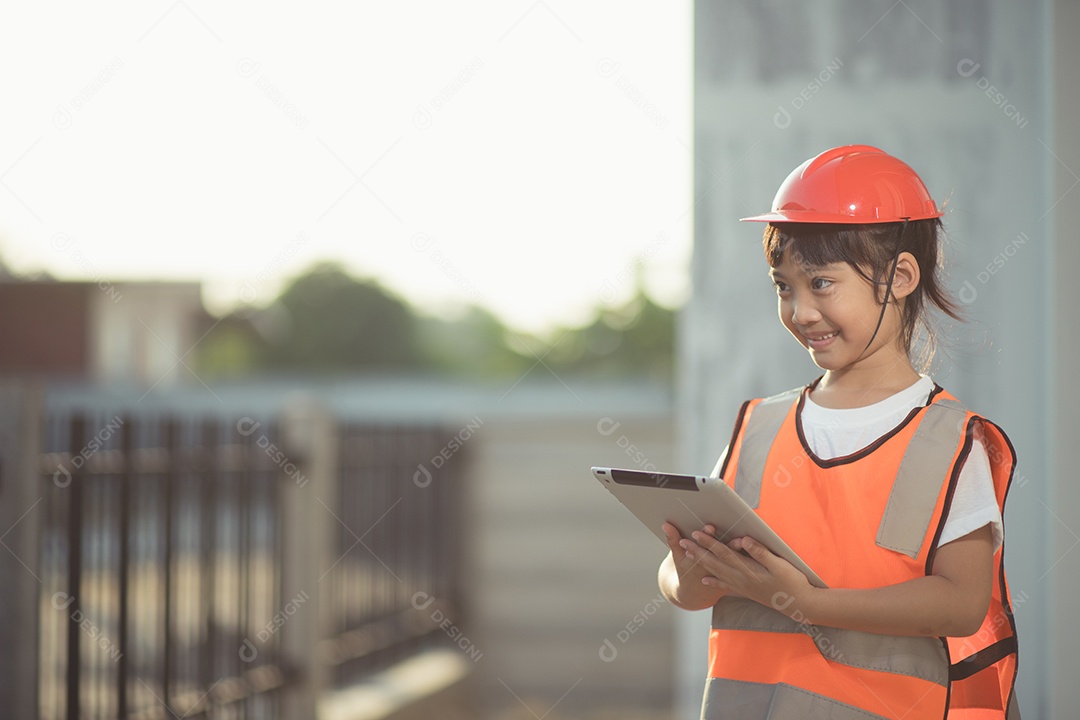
(686, 592)
(926, 606)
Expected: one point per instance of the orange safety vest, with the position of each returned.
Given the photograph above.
(864, 520)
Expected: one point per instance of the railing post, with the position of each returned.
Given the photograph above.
(21, 507)
(310, 442)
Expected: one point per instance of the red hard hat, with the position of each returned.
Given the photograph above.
(854, 184)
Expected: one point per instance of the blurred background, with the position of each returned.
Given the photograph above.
(314, 318)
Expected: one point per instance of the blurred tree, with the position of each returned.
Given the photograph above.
(230, 346)
(328, 321)
(473, 345)
(335, 322)
(634, 339)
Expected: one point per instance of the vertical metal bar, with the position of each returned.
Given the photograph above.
(454, 509)
(74, 567)
(92, 569)
(208, 526)
(169, 480)
(126, 446)
(278, 546)
(402, 541)
(353, 478)
(243, 562)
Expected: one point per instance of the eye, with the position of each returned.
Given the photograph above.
(820, 283)
(780, 287)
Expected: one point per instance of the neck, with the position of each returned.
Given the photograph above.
(867, 380)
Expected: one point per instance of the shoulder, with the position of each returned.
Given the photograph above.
(985, 433)
(943, 399)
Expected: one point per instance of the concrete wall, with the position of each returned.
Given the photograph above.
(971, 95)
(1063, 346)
(557, 567)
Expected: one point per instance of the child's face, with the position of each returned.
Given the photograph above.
(832, 311)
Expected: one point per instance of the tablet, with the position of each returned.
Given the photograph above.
(689, 502)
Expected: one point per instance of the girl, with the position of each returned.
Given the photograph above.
(881, 480)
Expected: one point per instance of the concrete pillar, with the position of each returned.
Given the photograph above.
(20, 513)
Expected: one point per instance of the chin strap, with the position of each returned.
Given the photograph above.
(888, 285)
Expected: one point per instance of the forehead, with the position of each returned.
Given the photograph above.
(792, 262)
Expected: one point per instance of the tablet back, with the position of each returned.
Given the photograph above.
(689, 502)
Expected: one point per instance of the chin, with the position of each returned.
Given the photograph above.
(827, 363)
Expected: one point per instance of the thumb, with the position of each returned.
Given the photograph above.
(672, 537)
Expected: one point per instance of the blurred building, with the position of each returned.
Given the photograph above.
(139, 332)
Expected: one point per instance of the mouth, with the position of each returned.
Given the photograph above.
(817, 342)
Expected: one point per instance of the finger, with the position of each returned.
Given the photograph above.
(757, 551)
(707, 563)
(709, 542)
(690, 548)
(672, 534)
(714, 555)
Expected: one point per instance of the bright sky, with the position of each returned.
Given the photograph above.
(523, 155)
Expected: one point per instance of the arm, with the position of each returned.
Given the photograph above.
(952, 601)
(681, 578)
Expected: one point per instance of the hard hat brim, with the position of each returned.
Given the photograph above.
(812, 216)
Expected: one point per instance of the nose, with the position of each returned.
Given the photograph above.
(803, 311)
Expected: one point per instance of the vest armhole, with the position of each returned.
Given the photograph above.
(734, 436)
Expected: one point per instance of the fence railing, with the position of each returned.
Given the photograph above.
(231, 568)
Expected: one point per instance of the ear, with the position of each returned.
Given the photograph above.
(907, 276)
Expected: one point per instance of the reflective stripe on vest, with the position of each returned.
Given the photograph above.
(742, 700)
(919, 657)
(761, 430)
(918, 481)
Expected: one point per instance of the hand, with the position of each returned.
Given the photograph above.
(681, 577)
(745, 567)
(684, 563)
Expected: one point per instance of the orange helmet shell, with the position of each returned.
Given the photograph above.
(853, 184)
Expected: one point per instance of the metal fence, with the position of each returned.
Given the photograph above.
(208, 568)
(398, 535)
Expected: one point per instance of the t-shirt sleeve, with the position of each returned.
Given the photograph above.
(974, 502)
(720, 463)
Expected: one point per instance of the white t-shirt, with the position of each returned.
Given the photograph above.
(832, 432)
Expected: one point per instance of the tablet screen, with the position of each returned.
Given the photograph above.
(634, 477)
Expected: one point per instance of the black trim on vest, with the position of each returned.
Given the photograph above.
(734, 435)
(983, 659)
(1005, 599)
(954, 477)
(858, 454)
(934, 393)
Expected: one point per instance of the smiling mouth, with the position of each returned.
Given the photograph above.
(818, 340)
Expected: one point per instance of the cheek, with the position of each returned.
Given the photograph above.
(783, 311)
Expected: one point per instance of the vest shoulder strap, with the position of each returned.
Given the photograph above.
(925, 465)
(761, 430)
